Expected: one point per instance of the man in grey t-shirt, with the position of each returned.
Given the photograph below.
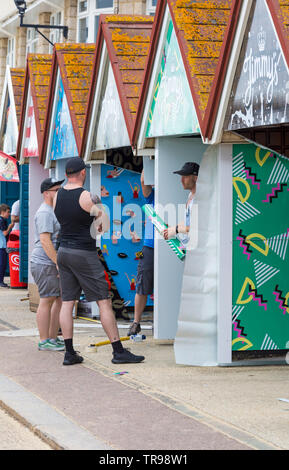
(45, 222)
(44, 269)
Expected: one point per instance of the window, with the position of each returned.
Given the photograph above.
(88, 18)
(10, 58)
(32, 38)
(151, 7)
(83, 29)
(55, 35)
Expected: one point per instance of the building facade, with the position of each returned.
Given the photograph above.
(81, 17)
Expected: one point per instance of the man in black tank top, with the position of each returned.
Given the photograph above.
(79, 267)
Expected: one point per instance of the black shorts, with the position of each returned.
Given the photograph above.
(145, 272)
(81, 270)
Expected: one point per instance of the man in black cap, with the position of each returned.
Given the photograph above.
(44, 269)
(189, 173)
(80, 268)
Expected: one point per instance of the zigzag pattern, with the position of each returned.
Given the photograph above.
(238, 328)
(252, 176)
(258, 298)
(243, 244)
(281, 300)
(275, 191)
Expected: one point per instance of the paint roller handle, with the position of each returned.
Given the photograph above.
(103, 343)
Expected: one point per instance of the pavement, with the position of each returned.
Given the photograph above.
(155, 405)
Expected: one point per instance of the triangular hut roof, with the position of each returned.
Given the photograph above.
(279, 10)
(74, 62)
(11, 100)
(205, 32)
(127, 39)
(37, 76)
(264, 44)
(18, 79)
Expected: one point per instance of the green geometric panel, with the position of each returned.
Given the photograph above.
(260, 312)
(172, 111)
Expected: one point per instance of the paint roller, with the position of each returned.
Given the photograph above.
(135, 338)
(93, 347)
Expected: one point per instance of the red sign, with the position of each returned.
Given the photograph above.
(8, 168)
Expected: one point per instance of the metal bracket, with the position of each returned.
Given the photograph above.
(44, 26)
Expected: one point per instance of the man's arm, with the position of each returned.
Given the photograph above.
(15, 218)
(15, 212)
(8, 230)
(91, 203)
(171, 232)
(146, 189)
(47, 245)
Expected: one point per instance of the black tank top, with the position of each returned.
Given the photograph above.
(74, 222)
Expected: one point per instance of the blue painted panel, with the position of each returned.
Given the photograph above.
(121, 193)
(24, 222)
(63, 142)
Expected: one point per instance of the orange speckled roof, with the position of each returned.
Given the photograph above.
(280, 14)
(75, 63)
(38, 69)
(18, 79)
(205, 30)
(127, 40)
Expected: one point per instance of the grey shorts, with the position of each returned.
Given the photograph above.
(145, 272)
(81, 270)
(46, 278)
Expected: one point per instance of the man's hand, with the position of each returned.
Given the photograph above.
(169, 232)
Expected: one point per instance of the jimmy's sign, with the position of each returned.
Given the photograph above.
(260, 95)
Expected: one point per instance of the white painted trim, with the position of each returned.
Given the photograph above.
(22, 159)
(277, 37)
(225, 254)
(96, 100)
(97, 106)
(230, 75)
(157, 331)
(8, 88)
(154, 76)
(13, 107)
(13, 16)
(4, 94)
(47, 164)
(145, 152)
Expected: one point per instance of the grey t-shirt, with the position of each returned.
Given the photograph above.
(45, 221)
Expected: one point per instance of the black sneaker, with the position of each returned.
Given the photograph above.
(70, 359)
(134, 329)
(3, 284)
(126, 357)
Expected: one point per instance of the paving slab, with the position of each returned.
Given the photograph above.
(117, 415)
(156, 404)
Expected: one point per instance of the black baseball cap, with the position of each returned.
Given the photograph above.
(189, 168)
(49, 183)
(74, 165)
